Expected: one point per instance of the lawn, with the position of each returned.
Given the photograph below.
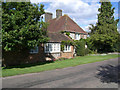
(11, 71)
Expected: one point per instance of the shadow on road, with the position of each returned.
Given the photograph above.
(109, 74)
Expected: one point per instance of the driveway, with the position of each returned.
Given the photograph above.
(94, 75)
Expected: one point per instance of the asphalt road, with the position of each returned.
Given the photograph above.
(94, 75)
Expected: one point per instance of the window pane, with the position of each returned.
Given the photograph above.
(68, 48)
(50, 47)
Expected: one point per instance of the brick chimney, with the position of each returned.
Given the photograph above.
(48, 16)
(58, 13)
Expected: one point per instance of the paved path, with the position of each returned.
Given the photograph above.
(94, 75)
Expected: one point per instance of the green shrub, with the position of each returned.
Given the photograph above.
(87, 51)
(80, 48)
(62, 47)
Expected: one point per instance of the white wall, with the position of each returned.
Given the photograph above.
(72, 35)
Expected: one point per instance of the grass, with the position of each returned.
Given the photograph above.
(11, 71)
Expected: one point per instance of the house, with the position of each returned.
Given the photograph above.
(52, 49)
(57, 25)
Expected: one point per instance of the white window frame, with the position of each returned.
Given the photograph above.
(34, 50)
(51, 47)
(67, 48)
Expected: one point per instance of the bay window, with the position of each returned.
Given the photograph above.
(51, 47)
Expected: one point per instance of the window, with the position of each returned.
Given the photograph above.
(34, 50)
(85, 36)
(77, 36)
(67, 48)
(72, 35)
(52, 47)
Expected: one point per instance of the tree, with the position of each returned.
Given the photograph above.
(22, 29)
(93, 29)
(22, 26)
(0, 29)
(105, 33)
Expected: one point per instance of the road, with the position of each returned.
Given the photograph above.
(94, 75)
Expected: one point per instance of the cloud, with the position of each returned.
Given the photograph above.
(38, 1)
(83, 13)
(86, 28)
(76, 8)
(86, 21)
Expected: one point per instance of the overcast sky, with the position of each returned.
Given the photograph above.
(82, 12)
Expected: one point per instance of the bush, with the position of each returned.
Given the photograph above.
(80, 48)
(87, 51)
(92, 52)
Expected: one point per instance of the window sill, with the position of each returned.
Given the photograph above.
(53, 52)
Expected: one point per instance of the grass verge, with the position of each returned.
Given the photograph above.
(11, 71)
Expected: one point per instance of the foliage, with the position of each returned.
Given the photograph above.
(62, 47)
(116, 46)
(104, 34)
(0, 23)
(90, 44)
(93, 29)
(68, 42)
(67, 33)
(87, 51)
(22, 25)
(80, 48)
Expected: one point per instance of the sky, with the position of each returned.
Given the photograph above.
(82, 12)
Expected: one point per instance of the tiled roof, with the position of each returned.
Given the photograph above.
(64, 23)
(58, 37)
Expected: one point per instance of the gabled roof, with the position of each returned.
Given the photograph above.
(58, 37)
(64, 23)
